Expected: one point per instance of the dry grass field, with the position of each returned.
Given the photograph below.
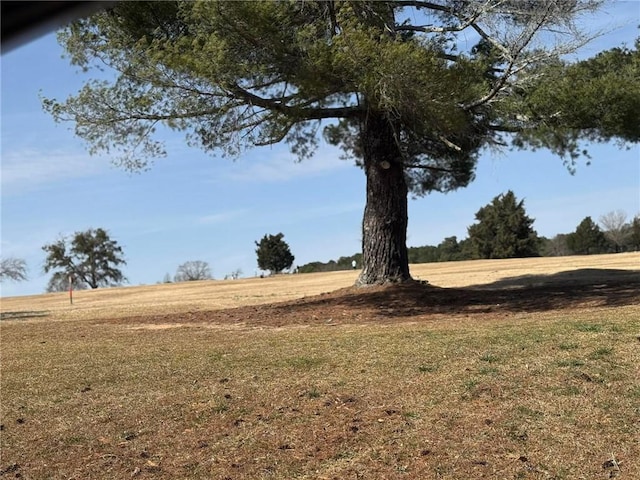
(210, 295)
(511, 369)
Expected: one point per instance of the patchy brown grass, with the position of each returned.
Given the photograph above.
(529, 375)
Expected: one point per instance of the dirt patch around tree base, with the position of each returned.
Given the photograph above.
(418, 301)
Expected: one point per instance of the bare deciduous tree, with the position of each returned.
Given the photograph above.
(557, 246)
(12, 268)
(233, 275)
(193, 270)
(615, 228)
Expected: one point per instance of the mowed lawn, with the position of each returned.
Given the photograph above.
(550, 393)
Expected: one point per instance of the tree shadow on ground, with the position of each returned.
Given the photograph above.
(571, 288)
(526, 293)
(571, 278)
(23, 315)
(418, 301)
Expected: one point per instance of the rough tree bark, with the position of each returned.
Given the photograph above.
(384, 226)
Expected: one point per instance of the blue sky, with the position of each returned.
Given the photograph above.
(191, 206)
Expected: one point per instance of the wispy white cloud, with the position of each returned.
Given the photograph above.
(162, 224)
(26, 245)
(280, 166)
(29, 169)
(222, 217)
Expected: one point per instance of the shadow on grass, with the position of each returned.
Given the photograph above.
(571, 278)
(526, 293)
(23, 315)
(602, 287)
(416, 300)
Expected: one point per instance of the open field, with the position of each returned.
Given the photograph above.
(518, 369)
(210, 295)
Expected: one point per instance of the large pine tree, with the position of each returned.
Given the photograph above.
(392, 82)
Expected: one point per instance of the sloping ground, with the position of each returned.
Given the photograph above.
(194, 298)
(417, 301)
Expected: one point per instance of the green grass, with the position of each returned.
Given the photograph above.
(304, 362)
(489, 358)
(427, 368)
(601, 353)
(590, 327)
(313, 393)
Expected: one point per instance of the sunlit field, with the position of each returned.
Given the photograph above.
(216, 294)
(511, 369)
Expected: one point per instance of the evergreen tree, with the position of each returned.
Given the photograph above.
(391, 82)
(449, 250)
(633, 240)
(466, 249)
(587, 238)
(503, 230)
(90, 257)
(274, 253)
(424, 254)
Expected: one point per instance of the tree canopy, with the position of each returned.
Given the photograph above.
(193, 270)
(503, 230)
(90, 257)
(587, 238)
(59, 282)
(274, 253)
(391, 82)
(615, 228)
(634, 234)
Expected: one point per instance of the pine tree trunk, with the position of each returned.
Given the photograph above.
(384, 227)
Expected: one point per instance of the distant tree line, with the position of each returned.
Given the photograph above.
(588, 238)
(503, 230)
(343, 263)
(91, 259)
(195, 270)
